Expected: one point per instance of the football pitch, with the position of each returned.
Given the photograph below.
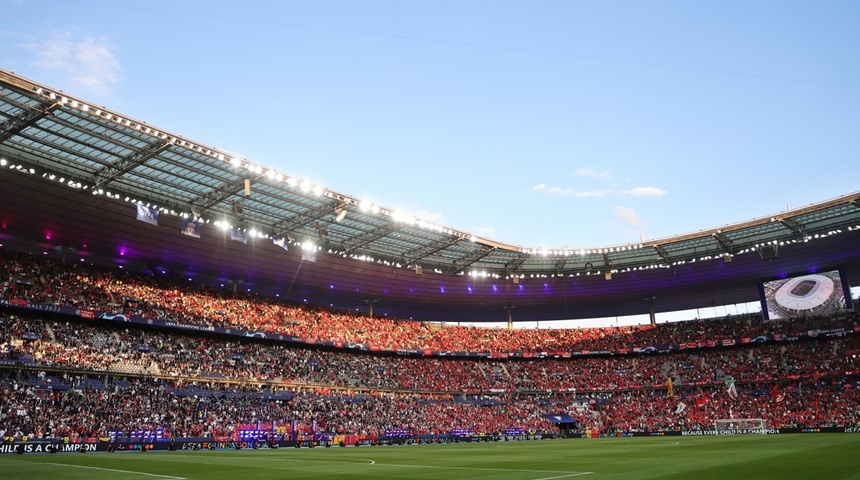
(814, 456)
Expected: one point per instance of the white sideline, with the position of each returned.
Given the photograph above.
(113, 470)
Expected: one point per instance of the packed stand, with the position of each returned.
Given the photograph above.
(43, 280)
(792, 383)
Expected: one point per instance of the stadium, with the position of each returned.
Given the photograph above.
(161, 294)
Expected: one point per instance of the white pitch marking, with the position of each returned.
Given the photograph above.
(113, 470)
(565, 476)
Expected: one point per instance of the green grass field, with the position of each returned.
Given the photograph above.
(822, 456)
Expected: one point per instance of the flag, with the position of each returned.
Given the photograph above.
(670, 389)
(730, 387)
(681, 407)
(777, 395)
(147, 214)
(559, 418)
(192, 228)
(281, 242)
(239, 235)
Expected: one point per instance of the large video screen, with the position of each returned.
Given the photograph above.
(805, 295)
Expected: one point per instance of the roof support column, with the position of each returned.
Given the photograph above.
(510, 309)
(651, 314)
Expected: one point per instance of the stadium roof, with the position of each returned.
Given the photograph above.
(72, 173)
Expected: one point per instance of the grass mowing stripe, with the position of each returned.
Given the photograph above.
(361, 461)
(372, 463)
(479, 469)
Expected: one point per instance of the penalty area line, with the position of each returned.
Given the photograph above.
(132, 472)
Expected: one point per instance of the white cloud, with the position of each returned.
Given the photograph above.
(628, 216)
(646, 192)
(84, 61)
(570, 192)
(593, 173)
(567, 192)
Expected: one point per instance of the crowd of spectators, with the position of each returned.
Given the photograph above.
(43, 280)
(797, 404)
(139, 351)
(808, 382)
(625, 384)
(31, 410)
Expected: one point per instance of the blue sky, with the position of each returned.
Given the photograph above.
(539, 123)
